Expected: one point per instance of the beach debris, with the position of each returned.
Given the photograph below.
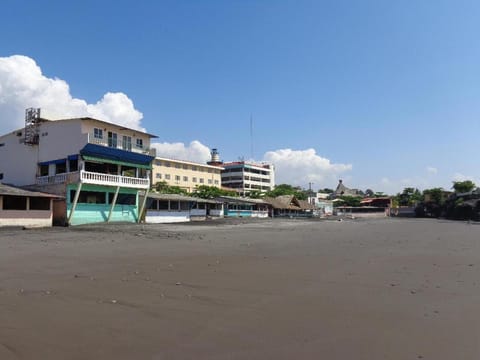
(113, 301)
(178, 283)
(413, 292)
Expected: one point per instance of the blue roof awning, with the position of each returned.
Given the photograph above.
(116, 155)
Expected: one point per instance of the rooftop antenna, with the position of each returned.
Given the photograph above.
(251, 136)
(32, 124)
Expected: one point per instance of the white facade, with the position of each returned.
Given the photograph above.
(19, 163)
(246, 176)
(97, 167)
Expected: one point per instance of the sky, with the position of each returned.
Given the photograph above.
(382, 94)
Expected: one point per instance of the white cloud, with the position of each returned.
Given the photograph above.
(195, 151)
(299, 167)
(432, 170)
(22, 85)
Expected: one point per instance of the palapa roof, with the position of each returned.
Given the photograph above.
(289, 202)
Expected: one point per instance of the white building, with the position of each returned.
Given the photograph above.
(98, 167)
(246, 177)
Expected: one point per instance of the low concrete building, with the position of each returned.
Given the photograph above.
(20, 207)
(172, 208)
(244, 207)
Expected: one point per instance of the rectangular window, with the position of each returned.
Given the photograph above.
(185, 178)
(202, 180)
(39, 203)
(126, 143)
(210, 181)
(89, 197)
(216, 182)
(2, 144)
(167, 164)
(158, 163)
(194, 179)
(43, 171)
(209, 170)
(123, 199)
(177, 166)
(73, 164)
(184, 205)
(167, 176)
(152, 204)
(185, 166)
(61, 168)
(174, 205)
(14, 202)
(112, 139)
(177, 177)
(158, 176)
(1, 176)
(194, 168)
(98, 133)
(139, 143)
(163, 204)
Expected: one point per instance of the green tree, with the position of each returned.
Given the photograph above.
(285, 189)
(435, 195)
(463, 186)
(409, 196)
(211, 192)
(163, 188)
(348, 200)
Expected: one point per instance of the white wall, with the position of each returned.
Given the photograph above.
(18, 162)
(159, 217)
(27, 218)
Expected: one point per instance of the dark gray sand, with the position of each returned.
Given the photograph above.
(272, 289)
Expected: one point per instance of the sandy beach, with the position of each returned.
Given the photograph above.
(265, 289)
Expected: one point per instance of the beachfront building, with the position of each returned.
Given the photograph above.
(245, 177)
(185, 174)
(290, 206)
(98, 168)
(19, 207)
(243, 207)
(172, 208)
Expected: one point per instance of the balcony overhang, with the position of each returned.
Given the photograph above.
(98, 153)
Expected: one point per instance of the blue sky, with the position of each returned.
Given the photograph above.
(382, 94)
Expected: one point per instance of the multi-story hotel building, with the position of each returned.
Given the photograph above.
(97, 167)
(185, 174)
(246, 177)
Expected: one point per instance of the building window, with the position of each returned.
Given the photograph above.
(123, 199)
(167, 176)
(210, 181)
(209, 170)
(174, 205)
(61, 168)
(185, 178)
(43, 170)
(184, 205)
(185, 166)
(1, 176)
(2, 144)
(73, 165)
(216, 182)
(89, 197)
(127, 143)
(194, 179)
(158, 163)
(194, 168)
(167, 164)
(39, 203)
(202, 180)
(163, 205)
(158, 176)
(139, 143)
(177, 177)
(98, 133)
(14, 202)
(112, 139)
(177, 166)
